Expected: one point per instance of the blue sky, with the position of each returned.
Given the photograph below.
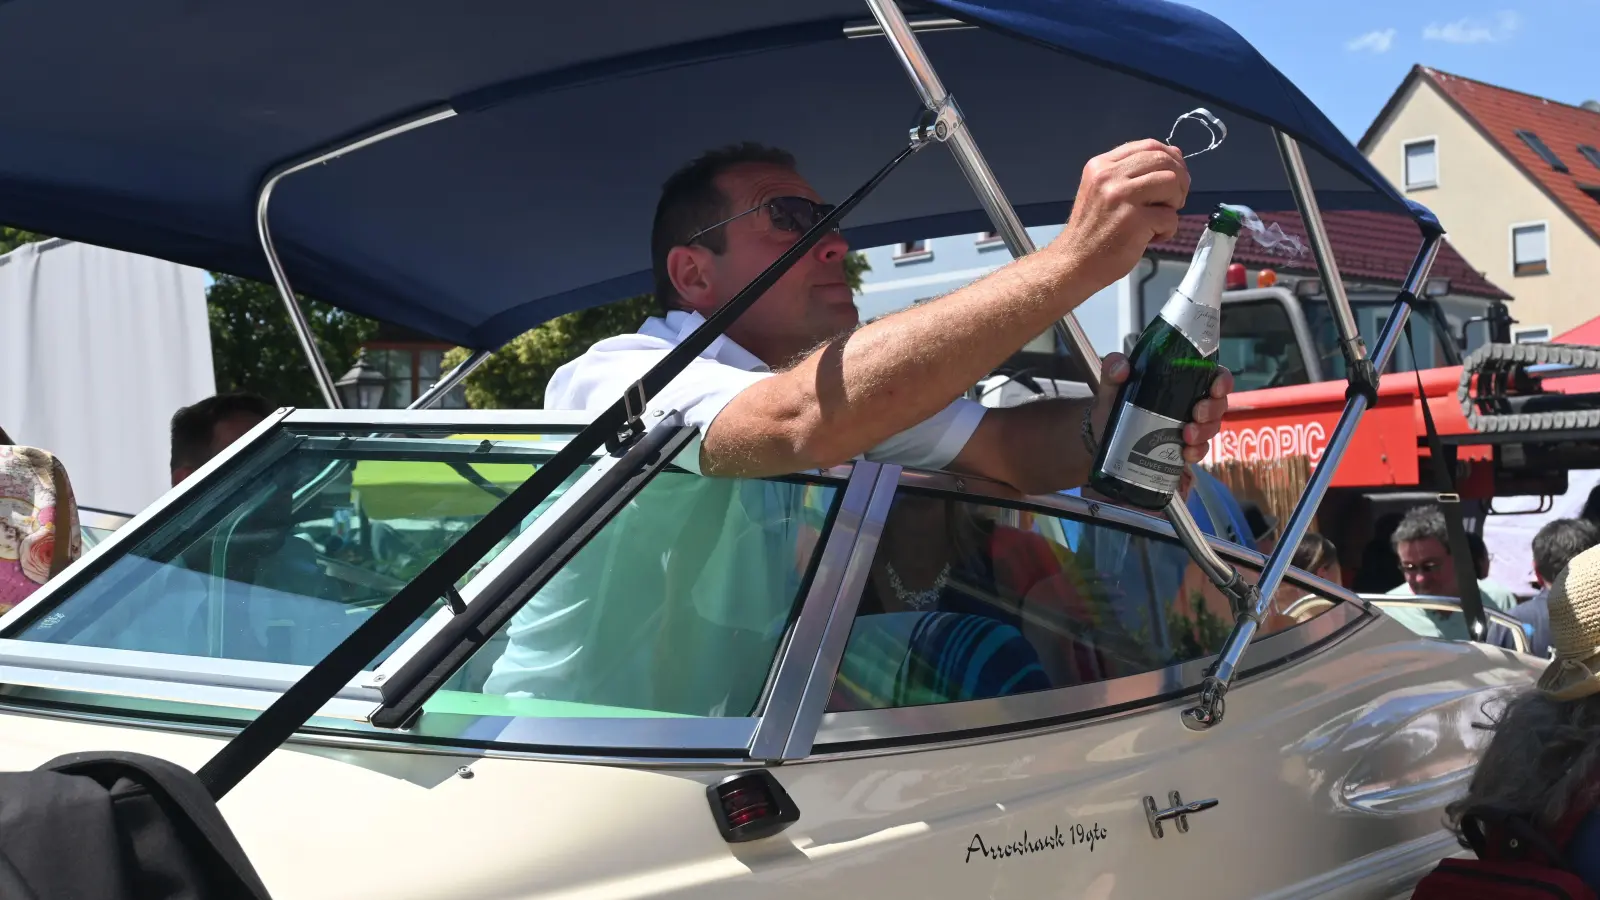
(1348, 56)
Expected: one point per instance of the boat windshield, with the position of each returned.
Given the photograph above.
(283, 557)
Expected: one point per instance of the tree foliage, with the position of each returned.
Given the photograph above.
(12, 238)
(514, 377)
(254, 346)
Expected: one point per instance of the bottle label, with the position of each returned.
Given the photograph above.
(1146, 450)
(1200, 323)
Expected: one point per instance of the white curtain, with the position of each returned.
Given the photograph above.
(98, 348)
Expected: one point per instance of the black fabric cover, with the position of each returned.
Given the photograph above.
(117, 826)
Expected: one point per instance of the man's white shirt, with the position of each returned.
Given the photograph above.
(749, 576)
(599, 377)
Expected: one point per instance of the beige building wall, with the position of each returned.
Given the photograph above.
(1481, 194)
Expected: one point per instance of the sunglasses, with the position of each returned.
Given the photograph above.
(795, 215)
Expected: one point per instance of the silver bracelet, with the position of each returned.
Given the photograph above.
(1088, 432)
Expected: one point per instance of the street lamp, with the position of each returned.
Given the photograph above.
(362, 387)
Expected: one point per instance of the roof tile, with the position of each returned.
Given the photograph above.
(1368, 246)
(1500, 113)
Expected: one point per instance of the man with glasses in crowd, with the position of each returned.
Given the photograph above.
(797, 384)
(1422, 541)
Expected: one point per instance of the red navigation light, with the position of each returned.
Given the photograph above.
(1236, 277)
(751, 806)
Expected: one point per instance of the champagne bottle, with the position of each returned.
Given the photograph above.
(1140, 459)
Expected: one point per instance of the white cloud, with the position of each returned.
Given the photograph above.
(1474, 31)
(1372, 42)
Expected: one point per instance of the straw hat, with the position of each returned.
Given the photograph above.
(1575, 630)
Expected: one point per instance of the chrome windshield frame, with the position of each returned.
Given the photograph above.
(810, 661)
(202, 682)
(792, 733)
(867, 731)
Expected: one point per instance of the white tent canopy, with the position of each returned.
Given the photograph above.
(100, 348)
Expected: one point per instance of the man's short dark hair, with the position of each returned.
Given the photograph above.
(1419, 524)
(690, 201)
(1424, 522)
(192, 426)
(1558, 542)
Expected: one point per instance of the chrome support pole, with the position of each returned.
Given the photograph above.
(1209, 710)
(1294, 165)
(449, 380)
(308, 343)
(902, 36)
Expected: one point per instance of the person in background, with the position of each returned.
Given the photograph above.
(1553, 548)
(201, 431)
(1315, 554)
(1422, 541)
(1542, 763)
(39, 533)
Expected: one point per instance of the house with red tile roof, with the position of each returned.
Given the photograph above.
(1514, 178)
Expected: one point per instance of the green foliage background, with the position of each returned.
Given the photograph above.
(254, 347)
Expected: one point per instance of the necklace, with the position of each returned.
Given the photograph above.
(918, 599)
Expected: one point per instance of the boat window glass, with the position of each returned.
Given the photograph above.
(675, 608)
(281, 559)
(968, 600)
(1259, 346)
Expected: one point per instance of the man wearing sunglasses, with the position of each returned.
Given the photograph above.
(798, 384)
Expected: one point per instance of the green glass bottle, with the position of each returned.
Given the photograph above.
(1141, 452)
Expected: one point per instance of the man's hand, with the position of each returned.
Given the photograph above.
(1207, 414)
(1127, 198)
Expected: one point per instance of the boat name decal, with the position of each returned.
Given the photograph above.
(1076, 836)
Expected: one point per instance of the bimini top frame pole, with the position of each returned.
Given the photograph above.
(308, 343)
(455, 376)
(950, 129)
(1209, 710)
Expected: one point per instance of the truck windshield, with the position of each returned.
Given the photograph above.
(1370, 319)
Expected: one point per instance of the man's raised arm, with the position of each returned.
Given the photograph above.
(858, 390)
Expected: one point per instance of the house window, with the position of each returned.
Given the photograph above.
(1421, 164)
(912, 251)
(411, 370)
(1530, 249)
(1592, 154)
(1545, 153)
(1533, 335)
